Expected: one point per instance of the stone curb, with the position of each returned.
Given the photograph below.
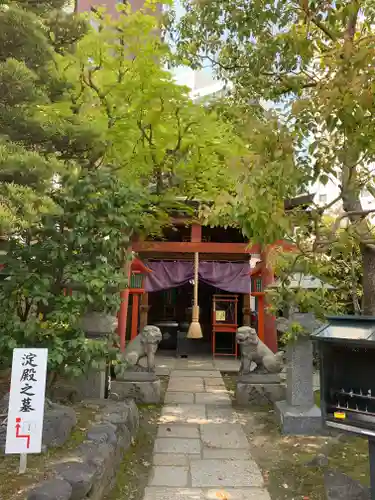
(89, 471)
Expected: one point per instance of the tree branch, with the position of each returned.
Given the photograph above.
(330, 204)
(317, 22)
(322, 244)
(352, 23)
(360, 213)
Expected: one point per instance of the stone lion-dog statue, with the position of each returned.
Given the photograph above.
(144, 345)
(254, 350)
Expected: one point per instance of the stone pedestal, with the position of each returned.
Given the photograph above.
(259, 389)
(143, 387)
(93, 384)
(299, 420)
(298, 414)
(98, 325)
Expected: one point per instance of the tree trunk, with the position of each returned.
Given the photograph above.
(368, 280)
(352, 205)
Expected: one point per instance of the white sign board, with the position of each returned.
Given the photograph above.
(26, 401)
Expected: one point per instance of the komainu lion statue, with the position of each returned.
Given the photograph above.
(144, 345)
(254, 350)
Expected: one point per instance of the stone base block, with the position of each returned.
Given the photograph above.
(148, 392)
(92, 385)
(259, 394)
(298, 420)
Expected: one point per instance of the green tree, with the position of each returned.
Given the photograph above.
(154, 135)
(126, 141)
(79, 247)
(32, 149)
(315, 62)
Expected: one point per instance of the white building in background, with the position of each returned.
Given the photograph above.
(200, 82)
(325, 194)
(205, 86)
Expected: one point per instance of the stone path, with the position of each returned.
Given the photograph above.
(201, 451)
(166, 364)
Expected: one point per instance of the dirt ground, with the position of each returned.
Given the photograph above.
(284, 460)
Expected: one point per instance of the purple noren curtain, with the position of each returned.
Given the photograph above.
(168, 275)
(228, 276)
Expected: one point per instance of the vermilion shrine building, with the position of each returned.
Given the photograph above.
(232, 277)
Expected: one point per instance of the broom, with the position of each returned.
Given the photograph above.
(195, 330)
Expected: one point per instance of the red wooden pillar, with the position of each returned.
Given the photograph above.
(123, 313)
(261, 317)
(143, 311)
(135, 309)
(246, 309)
(196, 233)
(122, 317)
(270, 333)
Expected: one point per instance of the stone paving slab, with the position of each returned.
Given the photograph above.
(177, 445)
(177, 459)
(216, 390)
(228, 365)
(163, 364)
(225, 473)
(178, 431)
(221, 415)
(183, 413)
(224, 436)
(173, 494)
(197, 373)
(169, 476)
(166, 363)
(225, 453)
(214, 382)
(215, 398)
(187, 388)
(205, 494)
(191, 380)
(238, 494)
(194, 364)
(183, 385)
(179, 397)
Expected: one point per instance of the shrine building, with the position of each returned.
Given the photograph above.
(232, 277)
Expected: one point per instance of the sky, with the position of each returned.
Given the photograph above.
(182, 74)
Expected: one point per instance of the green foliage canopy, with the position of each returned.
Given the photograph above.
(153, 133)
(32, 148)
(314, 61)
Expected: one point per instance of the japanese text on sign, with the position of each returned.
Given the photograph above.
(26, 401)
